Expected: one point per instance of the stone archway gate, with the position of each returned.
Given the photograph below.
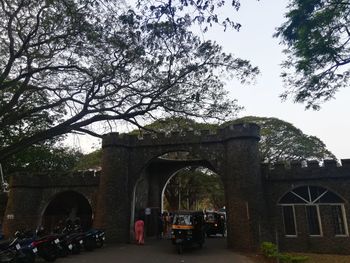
(30, 195)
(232, 152)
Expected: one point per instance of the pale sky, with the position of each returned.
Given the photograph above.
(255, 43)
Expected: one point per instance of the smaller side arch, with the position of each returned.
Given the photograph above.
(68, 204)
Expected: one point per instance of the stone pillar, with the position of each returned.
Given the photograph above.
(113, 203)
(243, 189)
(155, 191)
(154, 202)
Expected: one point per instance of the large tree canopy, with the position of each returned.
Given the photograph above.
(175, 124)
(317, 36)
(67, 64)
(43, 158)
(282, 141)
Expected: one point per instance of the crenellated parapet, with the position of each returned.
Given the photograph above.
(83, 178)
(246, 130)
(306, 170)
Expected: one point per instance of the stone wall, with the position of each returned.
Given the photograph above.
(280, 179)
(133, 177)
(29, 195)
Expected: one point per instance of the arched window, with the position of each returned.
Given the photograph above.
(312, 197)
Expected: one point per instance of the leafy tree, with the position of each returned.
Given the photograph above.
(282, 141)
(89, 161)
(67, 64)
(201, 12)
(317, 37)
(195, 188)
(43, 158)
(175, 124)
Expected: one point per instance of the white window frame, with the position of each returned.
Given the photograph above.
(342, 207)
(294, 218)
(309, 202)
(318, 218)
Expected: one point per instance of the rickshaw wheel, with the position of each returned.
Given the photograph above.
(179, 248)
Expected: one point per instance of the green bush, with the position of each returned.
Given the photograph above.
(270, 251)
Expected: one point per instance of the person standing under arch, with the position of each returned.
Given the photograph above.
(139, 231)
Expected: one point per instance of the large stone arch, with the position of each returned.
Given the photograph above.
(232, 152)
(148, 190)
(173, 172)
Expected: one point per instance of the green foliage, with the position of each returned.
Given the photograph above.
(65, 65)
(204, 13)
(270, 250)
(198, 188)
(176, 124)
(89, 161)
(281, 141)
(316, 35)
(288, 258)
(44, 158)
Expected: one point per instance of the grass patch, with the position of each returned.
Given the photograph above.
(270, 251)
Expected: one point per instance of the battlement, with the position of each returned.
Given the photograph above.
(83, 178)
(244, 130)
(307, 170)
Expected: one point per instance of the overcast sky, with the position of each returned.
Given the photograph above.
(255, 42)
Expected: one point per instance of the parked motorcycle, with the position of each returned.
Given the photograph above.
(94, 238)
(18, 250)
(27, 245)
(99, 236)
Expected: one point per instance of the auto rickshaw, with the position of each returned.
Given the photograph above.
(187, 229)
(215, 223)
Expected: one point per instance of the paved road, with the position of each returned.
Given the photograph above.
(159, 251)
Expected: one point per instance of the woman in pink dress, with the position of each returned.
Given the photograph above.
(139, 231)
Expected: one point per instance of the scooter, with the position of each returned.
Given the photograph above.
(94, 238)
(99, 237)
(19, 250)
